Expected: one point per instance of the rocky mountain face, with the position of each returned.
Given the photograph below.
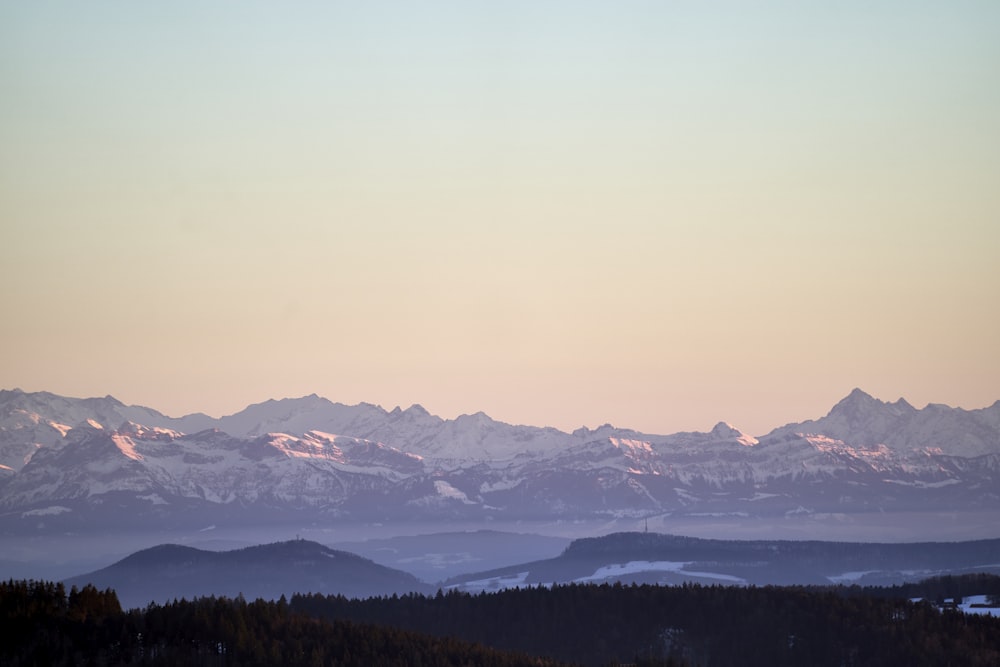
(69, 463)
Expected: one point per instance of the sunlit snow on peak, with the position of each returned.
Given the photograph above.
(62, 428)
(632, 445)
(126, 446)
(726, 431)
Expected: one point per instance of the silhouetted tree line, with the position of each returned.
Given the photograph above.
(652, 626)
(43, 625)
(704, 625)
(937, 588)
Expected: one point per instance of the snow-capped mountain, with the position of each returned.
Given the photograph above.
(865, 421)
(68, 460)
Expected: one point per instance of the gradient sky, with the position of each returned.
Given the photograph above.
(654, 214)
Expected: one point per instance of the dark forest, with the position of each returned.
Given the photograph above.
(44, 624)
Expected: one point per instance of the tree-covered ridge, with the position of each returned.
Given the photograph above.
(938, 588)
(755, 562)
(44, 625)
(715, 625)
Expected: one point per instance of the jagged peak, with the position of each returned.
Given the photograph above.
(859, 404)
(104, 400)
(859, 395)
(855, 401)
(726, 431)
(480, 418)
(903, 404)
(287, 400)
(586, 430)
(310, 400)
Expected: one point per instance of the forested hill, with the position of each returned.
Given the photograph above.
(674, 559)
(801, 555)
(43, 624)
(170, 571)
(704, 625)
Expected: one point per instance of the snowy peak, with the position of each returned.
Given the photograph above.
(363, 463)
(141, 432)
(859, 407)
(856, 404)
(862, 421)
(299, 415)
(859, 419)
(479, 421)
(726, 431)
(603, 432)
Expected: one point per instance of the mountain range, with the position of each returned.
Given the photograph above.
(69, 464)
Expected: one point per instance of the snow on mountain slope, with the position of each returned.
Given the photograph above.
(467, 438)
(299, 415)
(158, 465)
(865, 455)
(861, 420)
(31, 421)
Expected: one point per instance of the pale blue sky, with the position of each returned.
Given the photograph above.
(655, 214)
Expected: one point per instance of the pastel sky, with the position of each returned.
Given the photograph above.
(654, 214)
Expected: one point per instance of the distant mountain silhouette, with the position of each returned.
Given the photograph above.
(671, 559)
(170, 571)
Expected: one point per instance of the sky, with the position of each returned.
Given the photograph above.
(658, 215)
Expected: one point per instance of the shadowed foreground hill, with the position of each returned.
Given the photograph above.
(43, 625)
(582, 624)
(672, 559)
(168, 572)
(712, 626)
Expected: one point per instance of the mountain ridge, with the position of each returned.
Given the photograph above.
(646, 557)
(171, 571)
(323, 461)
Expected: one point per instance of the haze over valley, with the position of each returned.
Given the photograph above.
(93, 473)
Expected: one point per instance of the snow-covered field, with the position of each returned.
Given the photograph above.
(640, 566)
(968, 608)
(493, 583)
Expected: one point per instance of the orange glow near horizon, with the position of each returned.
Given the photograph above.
(569, 214)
